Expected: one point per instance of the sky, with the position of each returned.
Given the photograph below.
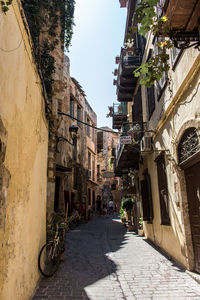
(96, 41)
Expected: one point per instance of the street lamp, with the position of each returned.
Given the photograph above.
(73, 130)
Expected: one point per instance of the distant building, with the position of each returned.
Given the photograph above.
(107, 180)
(75, 188)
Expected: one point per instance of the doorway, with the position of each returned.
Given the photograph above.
(192, 177)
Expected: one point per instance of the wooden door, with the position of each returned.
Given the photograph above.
(192, 176)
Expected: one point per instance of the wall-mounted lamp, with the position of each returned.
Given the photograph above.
(73, 132)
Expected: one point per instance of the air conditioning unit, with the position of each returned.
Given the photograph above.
(89, 173)
(146, 144)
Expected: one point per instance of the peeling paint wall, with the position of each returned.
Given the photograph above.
(23, 160)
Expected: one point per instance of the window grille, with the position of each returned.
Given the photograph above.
(189, 144)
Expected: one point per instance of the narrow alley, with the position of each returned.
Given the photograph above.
(105, 262)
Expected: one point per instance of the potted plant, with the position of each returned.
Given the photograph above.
(117, 60)
(140, 227)
(122, 216)
(127, 204)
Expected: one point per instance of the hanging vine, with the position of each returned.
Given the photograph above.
(5, 5)
(149, 21)
(50, 23)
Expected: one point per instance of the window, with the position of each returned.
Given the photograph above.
(71, 107)
(93, 133)
(175, 54)
(89, 161)
(147, 205)
(93, 168)
(78, 115)
(163, 190)
(88, 127)
(137, 107)
(160, 85)
(75, 148)
(98, 172)
(150, 93)
(99, 141)
(150, 101)
(189, 144)
(89, 197)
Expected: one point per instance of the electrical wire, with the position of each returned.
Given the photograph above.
(73, 118)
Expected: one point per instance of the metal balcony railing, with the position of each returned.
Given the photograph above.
(120, 109)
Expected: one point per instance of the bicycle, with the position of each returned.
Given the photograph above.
(50, 254)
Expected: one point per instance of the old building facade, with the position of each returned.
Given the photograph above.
(163, 121)
(23, 159)
(75, 183)
(109, 183)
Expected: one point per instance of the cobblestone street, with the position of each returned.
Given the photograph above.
(105, 262)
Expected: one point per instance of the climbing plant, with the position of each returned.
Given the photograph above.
(50, 24)
(5, 5)
(150, 21)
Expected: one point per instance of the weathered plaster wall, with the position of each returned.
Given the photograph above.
(24, 146)
(184, 113)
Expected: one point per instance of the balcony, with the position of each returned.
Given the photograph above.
(184, 20)
(119, 115)
(183, 14)
(128, 152)
(126, 82)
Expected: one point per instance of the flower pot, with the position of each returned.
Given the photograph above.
(140, 232)
(123, 3)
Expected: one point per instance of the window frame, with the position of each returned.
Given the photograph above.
(163, 190)
(71, 107)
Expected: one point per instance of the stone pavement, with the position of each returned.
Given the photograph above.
(104, 262)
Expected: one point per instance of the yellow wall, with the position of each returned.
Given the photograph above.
(165, 236)
(22, 114)
(178, 114)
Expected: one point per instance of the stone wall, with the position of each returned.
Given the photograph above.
(23, 160)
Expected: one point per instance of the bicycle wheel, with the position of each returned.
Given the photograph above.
(49, 259)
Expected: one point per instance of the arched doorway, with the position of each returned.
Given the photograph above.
(189, 161)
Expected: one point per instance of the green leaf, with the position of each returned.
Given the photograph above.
(4, 8)
(137, 73)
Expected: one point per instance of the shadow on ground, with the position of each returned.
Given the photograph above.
(87, 259)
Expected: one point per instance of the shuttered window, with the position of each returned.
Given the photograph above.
(137, 107)
(163, 190)
(147, 204)
(71, 107)
(78, 115)
(150, 101)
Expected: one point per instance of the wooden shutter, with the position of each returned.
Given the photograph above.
(149, 194)
(137, 107)
(163, 190)
(150, 101)
(147, 204)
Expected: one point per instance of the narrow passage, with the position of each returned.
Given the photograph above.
(105, 262)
